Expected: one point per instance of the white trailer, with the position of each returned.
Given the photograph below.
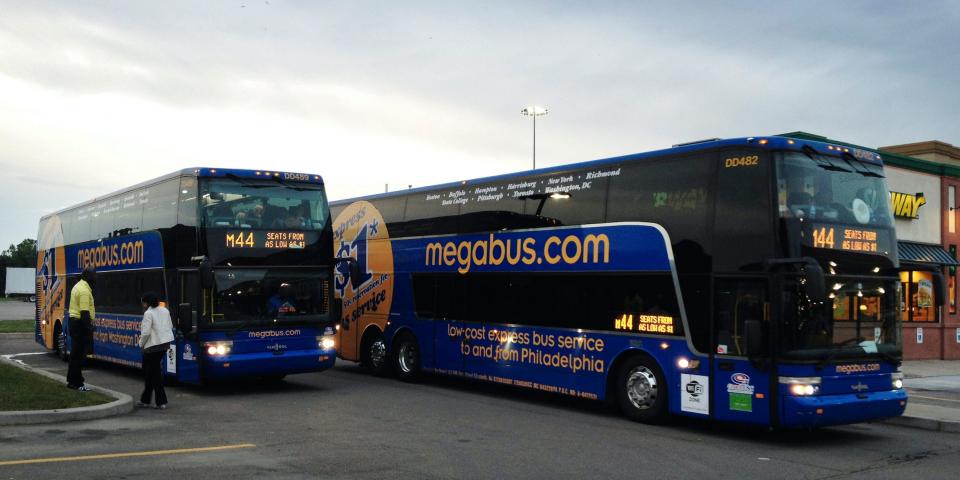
(21, 282)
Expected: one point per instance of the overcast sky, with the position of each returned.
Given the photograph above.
(96, 95)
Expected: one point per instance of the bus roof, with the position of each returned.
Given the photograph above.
(772, 142)
(202, 172)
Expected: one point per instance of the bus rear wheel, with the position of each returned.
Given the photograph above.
(59, 342)
(374, 354)
(641, 390)
(406, 357)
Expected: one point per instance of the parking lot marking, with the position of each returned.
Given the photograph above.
(125, 455)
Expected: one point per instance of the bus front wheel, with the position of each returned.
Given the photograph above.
(59, 342)
(374, 353)
(642, 391)
(406, 357)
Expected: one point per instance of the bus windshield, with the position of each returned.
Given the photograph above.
(268, 203)
(832, 189)
(861, 319)
(257, 297)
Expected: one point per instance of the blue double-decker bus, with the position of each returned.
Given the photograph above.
(242, 258)
(751, 280)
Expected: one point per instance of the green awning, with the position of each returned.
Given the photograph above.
(923, 253)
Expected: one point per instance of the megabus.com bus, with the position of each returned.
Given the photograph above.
(750, 280)
(242, 257)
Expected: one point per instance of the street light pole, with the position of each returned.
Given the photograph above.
(534, 111)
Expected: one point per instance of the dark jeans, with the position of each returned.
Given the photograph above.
(79, 348)
(153, 378)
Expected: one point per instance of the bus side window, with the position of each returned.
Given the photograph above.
(450, 297)
(425, 296)
(738, 300)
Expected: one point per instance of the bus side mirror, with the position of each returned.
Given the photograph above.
(354, 268)
(186, 318)
(338, 312)
(815, 285)
(753, 338)
(206, 274)
(355, 274)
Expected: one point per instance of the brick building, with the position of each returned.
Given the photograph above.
(940, 333)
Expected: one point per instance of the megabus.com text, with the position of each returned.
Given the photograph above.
(569, 250)
(127, 253)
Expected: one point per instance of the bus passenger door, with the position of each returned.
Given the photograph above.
(741, 384)
(183, 359)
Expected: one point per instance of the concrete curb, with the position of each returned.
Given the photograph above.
(122, 404)
(924, 423)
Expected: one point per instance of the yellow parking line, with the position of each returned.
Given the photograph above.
(124, 455)
(934, 398)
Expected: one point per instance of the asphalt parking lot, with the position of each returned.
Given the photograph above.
(346, 424)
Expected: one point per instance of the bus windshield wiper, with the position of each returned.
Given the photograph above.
(888, 358)
(238, 328)
(864, 168)
(834, 354)
(854, 163)
(824, 163)
(829, 358)
(242, 182)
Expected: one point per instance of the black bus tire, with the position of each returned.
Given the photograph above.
(641, 390)
(60, 342)
(406, 357)
(373, 354)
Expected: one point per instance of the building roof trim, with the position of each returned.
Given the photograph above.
(935, 147)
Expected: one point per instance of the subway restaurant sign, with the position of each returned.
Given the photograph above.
(907, 205)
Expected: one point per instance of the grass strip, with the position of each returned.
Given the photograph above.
(24, 390)
(17, 326)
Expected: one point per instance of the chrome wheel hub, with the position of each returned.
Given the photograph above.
(407, 357)
(378, 353)
(642, 387)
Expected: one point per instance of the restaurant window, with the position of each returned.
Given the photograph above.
(917, 303)
(952, 204)
(952, 290)
(952, 275)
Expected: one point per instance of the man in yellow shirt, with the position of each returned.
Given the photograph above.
(80, 325)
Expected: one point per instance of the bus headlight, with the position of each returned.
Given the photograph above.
(896, 378)
(218, 349)
(803, 390)
(326, 342)
(683, 363)
(802, 386)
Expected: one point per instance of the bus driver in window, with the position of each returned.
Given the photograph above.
(283, 302)
(252, 218)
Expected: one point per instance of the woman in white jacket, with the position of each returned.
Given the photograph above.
(156, 334)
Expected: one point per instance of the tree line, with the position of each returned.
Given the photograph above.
(23, 254)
